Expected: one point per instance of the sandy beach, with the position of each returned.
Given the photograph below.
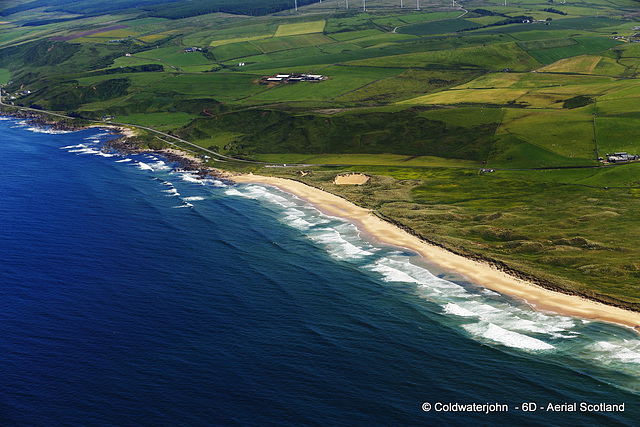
(476, 272)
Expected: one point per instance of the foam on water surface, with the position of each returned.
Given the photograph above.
(483, 314)
(47, 130)
(399, 329)
(508, 338)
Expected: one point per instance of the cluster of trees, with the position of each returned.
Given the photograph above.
(556, 11)
(188, 8)
(171, 9)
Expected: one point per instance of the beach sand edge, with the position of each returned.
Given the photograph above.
(477, 272)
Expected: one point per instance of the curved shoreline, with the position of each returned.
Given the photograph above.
(478, 272)
(386, 231)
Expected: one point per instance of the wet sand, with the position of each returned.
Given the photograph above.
(476, 272)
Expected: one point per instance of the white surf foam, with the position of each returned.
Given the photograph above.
(123, 161)
(399, 269)
(297, 222)
(20, 124)
(144, 166)
(617, 351)
(172, 192)
(193, 198)
(234, 192)
(87, 150)
(184, 205)
(336, 244)
(485, 314)
(46, 130)
(190, 177)
(103, 154)
(508, 338)
(160, 165)
(456, 310)
(216, 183)
(390, 274)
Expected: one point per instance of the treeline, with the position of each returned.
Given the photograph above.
(81, 7)
(145, 68)
(556, 11)
(508, 19)
(171, 9)
(189, 8)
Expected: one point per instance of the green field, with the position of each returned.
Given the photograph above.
(299, 28)
(5, 75)
(617, 134)
(585, 45)
(216, 43)
(220, 87)
(351, 35)
(157, 120)
(438, 27)
(291, 42)
(235, 50)
(494, 57)
(367, 159)
(341, 81)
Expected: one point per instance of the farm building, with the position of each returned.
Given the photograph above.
(295, 78)
(621, 157)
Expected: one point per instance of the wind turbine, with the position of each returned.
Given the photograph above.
(364, 5)
(417, 4)
(295, 2)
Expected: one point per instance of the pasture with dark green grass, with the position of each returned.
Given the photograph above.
(584, 45)
(408, 84)
(438, 27)
(5, 75)
(235, 50)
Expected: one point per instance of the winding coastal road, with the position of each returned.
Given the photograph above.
(219, 156)
(223, 158)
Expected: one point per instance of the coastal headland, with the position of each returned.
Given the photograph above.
(478, 272)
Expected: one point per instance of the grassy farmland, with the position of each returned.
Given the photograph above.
(421, 100)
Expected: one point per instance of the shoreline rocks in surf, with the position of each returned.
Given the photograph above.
(182, 161)
(41, 120)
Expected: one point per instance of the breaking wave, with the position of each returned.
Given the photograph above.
(484, 315)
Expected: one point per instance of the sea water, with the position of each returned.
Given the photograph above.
(134, 295)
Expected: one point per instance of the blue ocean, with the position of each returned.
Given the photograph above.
(133, 295)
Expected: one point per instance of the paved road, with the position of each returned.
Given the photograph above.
(222, 158)
(219, 156)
